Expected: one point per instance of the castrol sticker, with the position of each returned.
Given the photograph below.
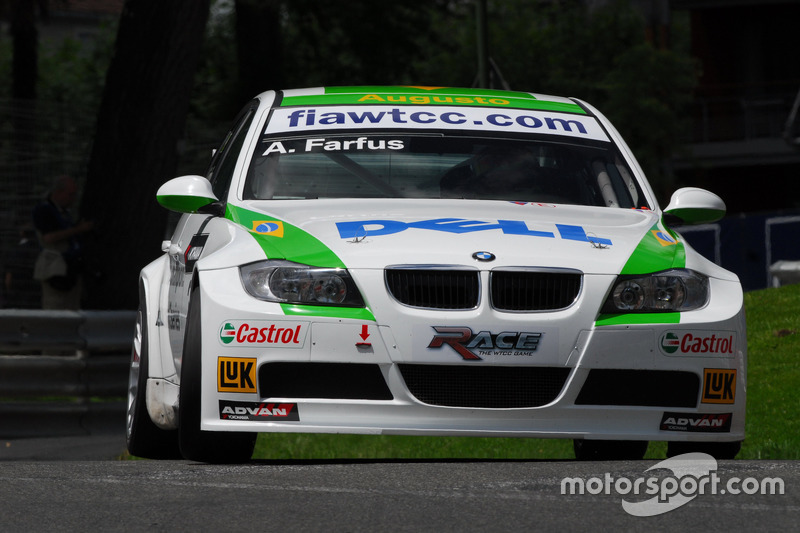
(263, 333)
(698, 343)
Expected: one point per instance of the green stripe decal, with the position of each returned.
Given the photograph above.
(285, 241)
(659, 250)
(355, 313)
(430, 96)
(281, 240)
(638, 318)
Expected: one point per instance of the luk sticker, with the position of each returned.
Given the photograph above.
(697, 422)
(258, 411)
(719, 385)
(263, 333)
(702, 343)
(236, 374)
(475, 346)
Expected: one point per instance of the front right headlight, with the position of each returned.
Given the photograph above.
(673, 290)
(287, 282)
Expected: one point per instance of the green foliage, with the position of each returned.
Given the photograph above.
(74, 72)
(773, 329)
(656, 84)
(325, 447)
(563, 48)
(215, 95)
(601, 56)
(342, 42)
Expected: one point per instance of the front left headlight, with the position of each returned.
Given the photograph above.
(287, 282)
(668, 291)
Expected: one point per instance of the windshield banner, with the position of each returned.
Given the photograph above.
(308, 119)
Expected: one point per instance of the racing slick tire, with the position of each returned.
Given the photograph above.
(717, 450)
(196, 444)
(143, 437)
(609, 450)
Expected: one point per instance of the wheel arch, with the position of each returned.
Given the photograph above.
(151, 280)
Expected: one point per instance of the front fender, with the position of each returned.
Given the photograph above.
(151, 282)
(162, 388)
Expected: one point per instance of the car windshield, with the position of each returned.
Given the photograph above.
(441, 166)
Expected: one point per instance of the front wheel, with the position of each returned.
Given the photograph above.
(196, 444)
(609, 450)
(144, 438)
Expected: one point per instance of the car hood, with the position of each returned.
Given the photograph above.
(375, 233)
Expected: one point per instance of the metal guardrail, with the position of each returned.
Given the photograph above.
(43, 394)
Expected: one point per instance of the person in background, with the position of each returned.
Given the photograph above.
(59, 264)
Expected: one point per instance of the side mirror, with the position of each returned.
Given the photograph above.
(187, 194)
(691, 205)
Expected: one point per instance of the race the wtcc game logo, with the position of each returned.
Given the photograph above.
(692, 475)
(475, 346)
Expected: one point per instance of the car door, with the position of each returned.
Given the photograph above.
(190, 235)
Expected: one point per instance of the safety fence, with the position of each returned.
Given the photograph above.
(63, 372)
(760, 248)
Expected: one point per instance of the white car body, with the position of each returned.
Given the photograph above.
(397, 365)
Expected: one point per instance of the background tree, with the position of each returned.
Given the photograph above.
(259, 47)
(24, 67)
(140, 121)
(596, 54)
(566, 47)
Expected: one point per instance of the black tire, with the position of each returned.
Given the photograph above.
(717, 450)
(143, 437)
(609, 450)
(195, 444)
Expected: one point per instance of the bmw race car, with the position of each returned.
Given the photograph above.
(433, 261)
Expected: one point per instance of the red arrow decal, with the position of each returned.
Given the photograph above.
(364, 332)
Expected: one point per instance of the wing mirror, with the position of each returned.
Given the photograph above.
(188, 194)
(691, 205)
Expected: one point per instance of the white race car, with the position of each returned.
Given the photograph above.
(433, 261)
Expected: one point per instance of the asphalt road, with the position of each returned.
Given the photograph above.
(75, 483)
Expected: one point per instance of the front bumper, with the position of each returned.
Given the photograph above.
(266, 371)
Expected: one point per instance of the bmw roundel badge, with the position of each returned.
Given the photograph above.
(483, 256)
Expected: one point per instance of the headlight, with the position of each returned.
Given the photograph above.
(667, 291)
(287, 282)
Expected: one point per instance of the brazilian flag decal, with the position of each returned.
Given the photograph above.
(660, 249)
(281, 240)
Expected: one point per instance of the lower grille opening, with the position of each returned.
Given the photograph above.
(648, 388)
(489, 387)
(339, 381)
